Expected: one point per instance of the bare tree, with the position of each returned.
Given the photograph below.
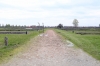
(75, 22)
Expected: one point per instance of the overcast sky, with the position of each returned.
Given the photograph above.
(50, 12)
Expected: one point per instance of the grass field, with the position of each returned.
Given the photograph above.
(89, 43)
(15, 41)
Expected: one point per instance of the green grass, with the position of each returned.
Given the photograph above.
(89, 43)
(15, 41)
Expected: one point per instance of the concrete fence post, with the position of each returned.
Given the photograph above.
(6, 41)
(26, 32)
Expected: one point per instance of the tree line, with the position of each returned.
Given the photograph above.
(75, 24)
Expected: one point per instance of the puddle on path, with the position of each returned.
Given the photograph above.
(70, 44)
(46, 34)
(43, 35)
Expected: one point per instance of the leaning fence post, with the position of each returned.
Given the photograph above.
(6, 41)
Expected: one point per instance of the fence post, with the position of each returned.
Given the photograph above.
(26, 32)
(6, 41)
(43, 27)
(73, 31)
(39, 27)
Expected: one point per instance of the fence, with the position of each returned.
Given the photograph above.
(25, 32)
(80, 28)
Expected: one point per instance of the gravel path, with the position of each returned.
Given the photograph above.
(50, 50)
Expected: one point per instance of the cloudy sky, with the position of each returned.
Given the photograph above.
(50, 12)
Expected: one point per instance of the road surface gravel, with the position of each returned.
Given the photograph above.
(49, 49)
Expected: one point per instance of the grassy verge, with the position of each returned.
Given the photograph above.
(15, 41)
(89, 43)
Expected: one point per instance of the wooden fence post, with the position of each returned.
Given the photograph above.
(6, 41)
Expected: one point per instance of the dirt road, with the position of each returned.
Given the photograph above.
(50, 50)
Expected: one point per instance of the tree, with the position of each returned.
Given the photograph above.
(60, 26)
(7, 25)
(75, 22)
